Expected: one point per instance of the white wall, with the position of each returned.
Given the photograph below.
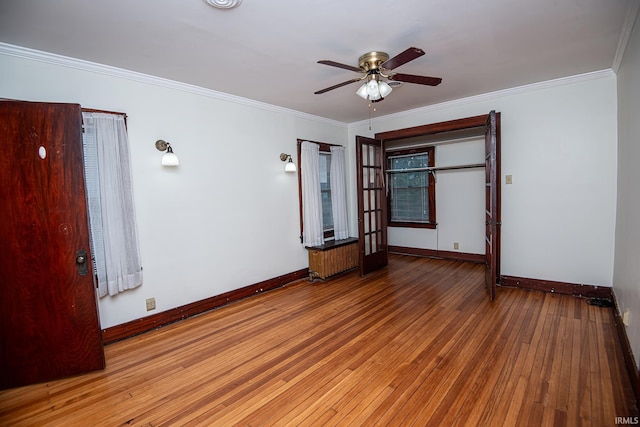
(227, 217)
(559, 143)
(626, 278)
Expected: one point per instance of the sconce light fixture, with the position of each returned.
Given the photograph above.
(168, 158)
(290, 166)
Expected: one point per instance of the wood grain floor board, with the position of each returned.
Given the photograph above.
(417, 343)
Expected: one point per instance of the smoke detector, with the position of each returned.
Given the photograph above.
(223, 4)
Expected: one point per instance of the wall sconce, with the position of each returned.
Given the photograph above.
(290, 166)
(168, 158)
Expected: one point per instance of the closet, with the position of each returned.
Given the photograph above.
(484, 126)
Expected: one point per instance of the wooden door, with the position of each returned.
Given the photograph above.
(49, 325)
(372, 204)
(492, 202)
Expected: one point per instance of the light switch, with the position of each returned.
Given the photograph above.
(509, 179)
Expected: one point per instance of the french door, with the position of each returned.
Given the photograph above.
(492, 203)
(372, 204)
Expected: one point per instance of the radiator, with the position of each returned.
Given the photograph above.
(332, 258)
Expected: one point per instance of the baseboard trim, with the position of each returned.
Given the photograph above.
(629, 360)
(432, 253)
(578, 290)
(586, 291)
(148, 323)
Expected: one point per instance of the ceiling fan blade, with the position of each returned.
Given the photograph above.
(421, 80)
(402, 58)
(337, 86)
(339, 65)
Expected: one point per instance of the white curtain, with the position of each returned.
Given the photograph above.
(312, 233)
(110, 199)
(339, 193)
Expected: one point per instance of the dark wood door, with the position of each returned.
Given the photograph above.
(492, 203)
(372, 204)
(49, 325)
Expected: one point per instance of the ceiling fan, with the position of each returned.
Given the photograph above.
(376, 66)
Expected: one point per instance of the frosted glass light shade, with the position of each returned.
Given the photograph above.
(373, 90)
(384, 88)
(290, 166)
(170, 159)
(362, 91)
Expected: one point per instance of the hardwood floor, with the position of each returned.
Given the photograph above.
(417, 343)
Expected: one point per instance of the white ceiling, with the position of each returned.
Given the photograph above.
(268, 50)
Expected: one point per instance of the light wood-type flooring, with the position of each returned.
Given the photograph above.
(415, 344)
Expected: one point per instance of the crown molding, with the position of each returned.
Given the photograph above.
(492, 95)
(79, 64)
(625, 34)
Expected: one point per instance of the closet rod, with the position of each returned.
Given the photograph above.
(444, 168)
(435, 168)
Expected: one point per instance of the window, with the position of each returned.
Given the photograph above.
(411, 196)
(325, 193)
(114, 240)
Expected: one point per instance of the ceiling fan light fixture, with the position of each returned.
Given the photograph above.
(374, 90)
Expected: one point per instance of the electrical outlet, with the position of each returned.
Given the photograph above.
(626, 317)
(456, 245)
(151, 304)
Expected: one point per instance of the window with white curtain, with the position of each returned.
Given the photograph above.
(323, 200)
(114, 237)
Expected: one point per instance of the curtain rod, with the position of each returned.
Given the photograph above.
(444, 168)
(92, 110)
